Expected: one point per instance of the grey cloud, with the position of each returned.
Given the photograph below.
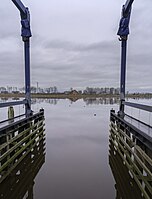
(88, 65)
(69, 46)
(76, 47)
(92, 63)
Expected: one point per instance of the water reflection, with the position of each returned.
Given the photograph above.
(77, 164)
(126, 187)
(48, 101)
(88, 101)
(4, 99)
(20, 182)
(97, 101)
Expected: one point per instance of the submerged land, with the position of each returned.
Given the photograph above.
(74, 96)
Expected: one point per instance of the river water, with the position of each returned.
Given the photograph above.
(77, 151)
(77, 164)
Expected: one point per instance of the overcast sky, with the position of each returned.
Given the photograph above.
(74, 44)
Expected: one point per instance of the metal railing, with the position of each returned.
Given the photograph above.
(139, 134)
(18, 139)
(135, 158)
(14, 103)
(138, 106)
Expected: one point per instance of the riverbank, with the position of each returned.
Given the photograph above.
(73, 96)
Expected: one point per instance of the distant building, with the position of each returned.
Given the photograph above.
(112, 91)
(74, 92)
(15, 92)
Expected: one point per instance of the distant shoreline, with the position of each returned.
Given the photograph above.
(73, 96)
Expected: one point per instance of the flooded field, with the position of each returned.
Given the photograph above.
(78, 163)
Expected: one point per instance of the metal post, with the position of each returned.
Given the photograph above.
(11, 114)
(27, 76)
(26, 34)
(123, 74)
(123, 32)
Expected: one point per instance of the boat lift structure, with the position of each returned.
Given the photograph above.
(123, 32)
(131, 138)
(20, 135)
(26, 34)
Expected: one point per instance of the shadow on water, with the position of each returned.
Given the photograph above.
(20, 182)
(125, 185)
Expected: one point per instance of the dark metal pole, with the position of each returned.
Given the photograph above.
(123, 32)
(123, 74)
(27, 76)
(26, 34)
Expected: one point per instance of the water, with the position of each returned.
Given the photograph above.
(77, 164)
(77, 153)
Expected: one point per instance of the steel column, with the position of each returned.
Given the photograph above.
(26, 34)
(27, 76)
(123, 32)
(123, 74)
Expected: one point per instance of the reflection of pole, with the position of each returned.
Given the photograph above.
(30, 190)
